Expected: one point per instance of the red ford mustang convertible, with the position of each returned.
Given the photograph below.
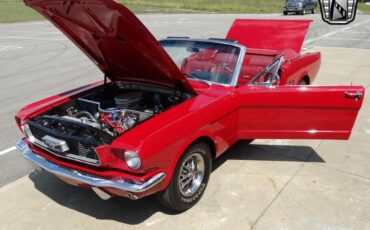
(166, 109)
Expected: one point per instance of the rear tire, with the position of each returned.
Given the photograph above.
(303, 82)
(189, 180)
(314, 10)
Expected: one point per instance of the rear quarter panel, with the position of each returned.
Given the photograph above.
(295, 70)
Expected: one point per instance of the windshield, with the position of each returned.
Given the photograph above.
(206, 61)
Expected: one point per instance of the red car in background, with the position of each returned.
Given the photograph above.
(166, 109)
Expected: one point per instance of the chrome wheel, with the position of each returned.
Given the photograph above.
(191, 174)
(190, 178)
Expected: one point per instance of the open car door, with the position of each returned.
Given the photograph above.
(270, 111)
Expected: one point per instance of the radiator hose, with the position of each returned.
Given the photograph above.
(85, 113)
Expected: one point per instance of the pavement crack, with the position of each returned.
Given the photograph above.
(282, 189)
(345, 172)
(340, 170)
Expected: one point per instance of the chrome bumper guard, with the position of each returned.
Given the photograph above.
(41, 163)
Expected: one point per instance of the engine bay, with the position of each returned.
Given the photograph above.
(110, 109)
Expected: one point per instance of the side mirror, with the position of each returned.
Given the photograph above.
(270, 76)
(271, 80)
(275, 81)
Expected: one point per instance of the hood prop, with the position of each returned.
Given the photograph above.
(105, 79)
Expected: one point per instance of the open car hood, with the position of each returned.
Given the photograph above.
(270, 34)
(115, 40)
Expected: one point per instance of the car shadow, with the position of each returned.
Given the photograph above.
(245, 150)
(135, 212)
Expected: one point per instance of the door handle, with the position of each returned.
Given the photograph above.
(357, 95)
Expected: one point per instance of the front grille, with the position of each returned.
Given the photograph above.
(291, 4)
(79, 149)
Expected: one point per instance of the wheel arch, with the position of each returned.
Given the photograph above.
(209, 141)
(206, 137)
(305, 77)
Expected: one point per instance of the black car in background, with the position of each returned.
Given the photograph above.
(299, 6)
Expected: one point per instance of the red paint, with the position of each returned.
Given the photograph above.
(222, 114)
(266, 39)
(270, 34)
(225, 115)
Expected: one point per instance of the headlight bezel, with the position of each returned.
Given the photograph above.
(132, 159)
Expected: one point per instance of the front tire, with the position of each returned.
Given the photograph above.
(285, 13)
(189, 180)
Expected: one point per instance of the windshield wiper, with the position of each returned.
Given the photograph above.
(197, 78)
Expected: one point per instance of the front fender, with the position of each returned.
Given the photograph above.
(185, 145)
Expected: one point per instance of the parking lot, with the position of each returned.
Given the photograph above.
(268, 184)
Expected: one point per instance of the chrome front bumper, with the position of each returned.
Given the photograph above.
(41, 163)
(293, 8)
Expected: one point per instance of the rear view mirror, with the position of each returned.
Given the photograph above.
(192, 49)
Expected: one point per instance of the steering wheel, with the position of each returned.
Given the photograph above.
(222, 66)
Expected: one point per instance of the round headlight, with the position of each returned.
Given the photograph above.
(132, 159)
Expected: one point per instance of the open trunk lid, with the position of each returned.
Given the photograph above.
(270, 34)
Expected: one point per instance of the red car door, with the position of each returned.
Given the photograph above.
(298, 112)
(271, 111)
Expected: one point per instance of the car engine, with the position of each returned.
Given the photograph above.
(75, 129)
(128, 111)
(110, 110)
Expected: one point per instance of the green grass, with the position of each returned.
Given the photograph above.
(217, 6)
(364, 8)
(16, 11)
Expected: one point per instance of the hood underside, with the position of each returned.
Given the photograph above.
(115, 40)
(270, 34)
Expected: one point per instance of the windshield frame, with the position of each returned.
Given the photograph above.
(239, 62)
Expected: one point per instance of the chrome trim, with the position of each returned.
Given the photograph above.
(239, 63)
(70, 156)
(42, 163)
(55, 143)
(191, 174)
(269, 84)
